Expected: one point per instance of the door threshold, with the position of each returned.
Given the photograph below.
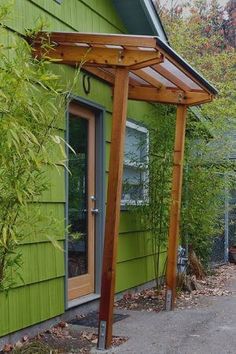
(82, 300)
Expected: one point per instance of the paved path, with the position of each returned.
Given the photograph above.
(204, 330)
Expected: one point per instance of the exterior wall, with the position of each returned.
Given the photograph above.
(42, 295)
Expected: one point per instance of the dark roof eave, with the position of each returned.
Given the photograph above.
(159, 21)
(186, 66)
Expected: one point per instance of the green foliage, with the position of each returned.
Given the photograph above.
(202, 201)
(199, 34)
(154, 211)
(31, 108)
(198, 31)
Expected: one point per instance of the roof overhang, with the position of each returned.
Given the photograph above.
(144, 20)
(156, 72)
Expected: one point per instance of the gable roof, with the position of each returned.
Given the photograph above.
(145, 20)
(140, 17)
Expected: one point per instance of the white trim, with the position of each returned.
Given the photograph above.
(136, 126)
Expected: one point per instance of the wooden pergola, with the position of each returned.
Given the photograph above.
(142, 68)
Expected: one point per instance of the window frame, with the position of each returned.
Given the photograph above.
(141, 166)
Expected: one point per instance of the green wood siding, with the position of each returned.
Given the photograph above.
(41, 296)
(136, 271)
(75, 15)
(31, 304)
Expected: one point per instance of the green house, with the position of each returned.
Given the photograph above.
(55, 281)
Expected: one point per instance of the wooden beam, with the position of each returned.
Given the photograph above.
(97, 38)
(113, 208)
(101, 74)
(177, 177)
(120, 43)
(185, 71)
(106, 75)
(162, 95)
(146, 63)
(97, 55)
(148, 78)
(168, 96)
(196, 98)
(171, 77)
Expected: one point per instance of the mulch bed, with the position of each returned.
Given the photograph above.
(59, 339)
(216, 284)
(147, 300)
(152, 300)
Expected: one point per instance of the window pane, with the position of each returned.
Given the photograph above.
(77, 199)
(133, 184)
(135, 145)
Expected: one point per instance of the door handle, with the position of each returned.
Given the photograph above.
(95, 211)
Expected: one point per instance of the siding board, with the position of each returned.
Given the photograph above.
(136, 272)
(38, 233)
(42, 294)
(42, 261)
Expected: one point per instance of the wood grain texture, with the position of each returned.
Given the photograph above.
(84, 284)
(168, 96)
(113, 200)
(103, 39)
(98, 56)
(177, 176)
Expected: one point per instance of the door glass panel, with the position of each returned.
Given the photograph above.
(78, 197)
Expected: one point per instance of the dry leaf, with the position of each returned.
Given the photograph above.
(7, 348)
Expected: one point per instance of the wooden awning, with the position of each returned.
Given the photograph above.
(156, 72)
(141, 68)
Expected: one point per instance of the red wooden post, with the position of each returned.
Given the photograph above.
(113, 207)
(175, 207)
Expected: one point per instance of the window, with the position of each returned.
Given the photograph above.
(135, 191)
(58, 1)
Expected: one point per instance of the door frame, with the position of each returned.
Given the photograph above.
(100, 180)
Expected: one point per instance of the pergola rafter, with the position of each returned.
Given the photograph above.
(149, 61)
(141, 68)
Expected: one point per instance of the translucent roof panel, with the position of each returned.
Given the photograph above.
(137, 79)
(180, 75)
(158, 77)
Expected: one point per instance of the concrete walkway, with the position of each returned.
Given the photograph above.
(208, 329)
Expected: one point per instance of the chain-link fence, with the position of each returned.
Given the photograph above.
(227, 238)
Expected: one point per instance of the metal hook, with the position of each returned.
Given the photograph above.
(86, 84)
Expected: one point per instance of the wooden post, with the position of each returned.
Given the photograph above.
(175, 207)
(113, 208)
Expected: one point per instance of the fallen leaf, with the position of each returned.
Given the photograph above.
(18, 344)
(7, 348)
